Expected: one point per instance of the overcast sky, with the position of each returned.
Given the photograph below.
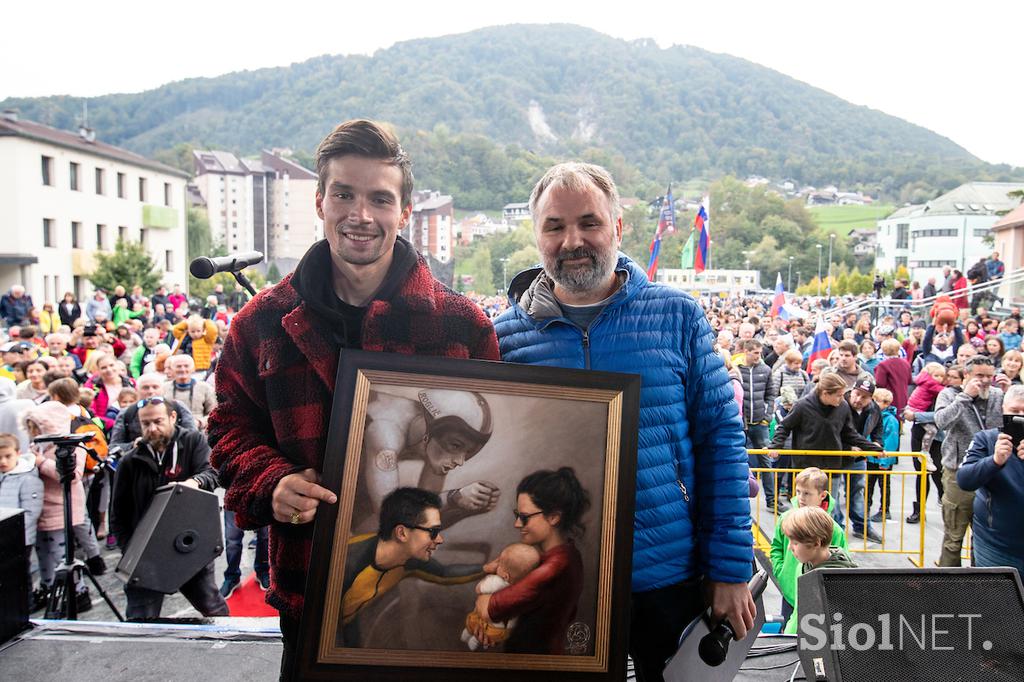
(952, 67)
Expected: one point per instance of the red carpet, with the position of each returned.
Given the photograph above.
(248, 600)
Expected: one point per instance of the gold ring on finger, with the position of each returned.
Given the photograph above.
(295, 518)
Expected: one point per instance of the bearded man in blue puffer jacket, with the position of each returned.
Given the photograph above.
(592, 307)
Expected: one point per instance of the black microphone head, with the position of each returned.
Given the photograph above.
(713, 648)
(202, 268)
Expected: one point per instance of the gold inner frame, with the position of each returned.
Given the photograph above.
(329, 653)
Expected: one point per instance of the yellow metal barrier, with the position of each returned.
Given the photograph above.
(857, 543)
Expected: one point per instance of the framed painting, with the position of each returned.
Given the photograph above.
(484, 523)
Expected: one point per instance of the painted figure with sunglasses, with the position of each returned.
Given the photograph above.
(550, 506)
(165, 454)
(403, 547)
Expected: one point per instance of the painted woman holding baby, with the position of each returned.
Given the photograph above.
(549, 509)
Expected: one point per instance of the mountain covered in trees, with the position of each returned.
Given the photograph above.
(485, 111)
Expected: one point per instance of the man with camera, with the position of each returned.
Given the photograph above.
(962, 414)
(165, 454)
(994, 467)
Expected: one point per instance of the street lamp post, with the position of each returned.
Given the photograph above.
(819, 269)
(828, 289)
(797, 279)
(789, 279)
(504, 274)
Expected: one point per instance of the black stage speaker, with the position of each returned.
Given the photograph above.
(935, 624)
(14, 578)
(179, 534)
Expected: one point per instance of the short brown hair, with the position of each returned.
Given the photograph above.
(360, 137)
(813, 477)
(752, 344)
(9, 440)
(809, 525)
(848, 346)
(64, 391)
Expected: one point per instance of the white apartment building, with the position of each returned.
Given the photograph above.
(713, 282)
(948, 230)
(65, 196)
(266, 205)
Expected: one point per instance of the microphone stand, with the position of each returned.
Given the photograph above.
(244, 281)
(63, 602)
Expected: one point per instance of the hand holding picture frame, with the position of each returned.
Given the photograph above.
(483, 527)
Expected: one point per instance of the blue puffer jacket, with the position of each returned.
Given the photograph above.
(692, 512)
(1000, 493)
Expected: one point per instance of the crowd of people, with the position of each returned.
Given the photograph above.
(137, 372)
(234, 394)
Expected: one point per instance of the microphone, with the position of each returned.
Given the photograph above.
(714, 647)
(205, 268)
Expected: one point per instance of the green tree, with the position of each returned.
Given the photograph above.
(273, 274)
(128, 265)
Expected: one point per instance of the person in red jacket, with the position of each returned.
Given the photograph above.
(893, 373)
(361, 287)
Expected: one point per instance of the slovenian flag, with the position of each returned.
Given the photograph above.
(822, 344)
(666, 225)
(780, 299)
(700, 226)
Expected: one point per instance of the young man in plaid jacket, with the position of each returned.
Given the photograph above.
(361, 287)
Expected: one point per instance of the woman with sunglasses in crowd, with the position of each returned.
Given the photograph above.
(550, 506)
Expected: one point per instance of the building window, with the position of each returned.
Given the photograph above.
(122, 183)
(73, 180)
(901, 260)
(101, 237)
(76, 235)
(48, 239)
(167, 194)
(100, 189)
(936, 232)
(47, 168)
(902, 231)
(981, 232)
(142, 189)
(168, 260)
(122, 233)
(143, 235)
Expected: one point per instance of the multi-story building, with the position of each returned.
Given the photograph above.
(65, 196)
(266, 205)
(293, 224)
(949, 230)
(431, 228)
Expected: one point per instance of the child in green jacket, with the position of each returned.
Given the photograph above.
(811, 490)
(809, 530)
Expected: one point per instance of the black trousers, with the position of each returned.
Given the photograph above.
(200, 590)
(290, 639)
(656, 620)
(916, 436)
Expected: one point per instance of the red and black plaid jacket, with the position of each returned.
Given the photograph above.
(275, 384)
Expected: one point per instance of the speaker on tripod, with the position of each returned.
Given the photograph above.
(931, 624)
(179, 534)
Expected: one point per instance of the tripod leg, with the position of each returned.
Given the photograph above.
(63, 603)
(103, 593)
